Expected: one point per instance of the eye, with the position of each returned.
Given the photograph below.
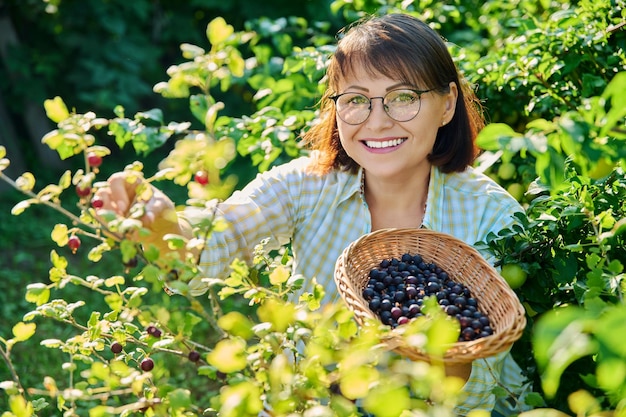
(402, 97)
(355, 100)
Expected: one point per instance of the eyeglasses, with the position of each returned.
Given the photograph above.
(401, 105)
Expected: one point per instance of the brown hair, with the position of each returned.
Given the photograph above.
(402, 48)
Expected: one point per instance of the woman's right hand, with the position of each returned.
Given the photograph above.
(125, 191)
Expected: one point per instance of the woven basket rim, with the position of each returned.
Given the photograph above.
(510, 316)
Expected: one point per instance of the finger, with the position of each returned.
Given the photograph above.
(151, 211)
(121, 193)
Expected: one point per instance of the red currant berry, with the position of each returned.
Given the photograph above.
(97, 203)
(74, 243)
(94, 160)
(147, 364)
(194, 356)
(116, 347)
(202, 177)
(83, 190)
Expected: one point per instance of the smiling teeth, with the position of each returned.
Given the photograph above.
(384, 144)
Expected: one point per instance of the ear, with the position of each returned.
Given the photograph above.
(450, 104)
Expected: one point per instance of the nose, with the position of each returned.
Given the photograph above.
(378, 117)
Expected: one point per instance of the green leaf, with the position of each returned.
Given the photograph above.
(218, 31)
(356, 382)
(114, 280)
(23, 331)
(56, 110)
(179, 399)
(199, 105)
(21, 206)
(387, 400)
(20, 407)
(279, 275)
(280, 314)
(37, 293)
(559, 339)
(228, 355)
(236, 324)
(240, 400)
(58, 261)
(611, 374)
(491, 136)
(60, 234)
(25, 182)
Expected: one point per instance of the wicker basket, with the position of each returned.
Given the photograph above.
(462, 262)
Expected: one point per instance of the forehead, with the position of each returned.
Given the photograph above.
(361, 68)
(365, 82)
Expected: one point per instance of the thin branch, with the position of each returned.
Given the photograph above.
(14, 376)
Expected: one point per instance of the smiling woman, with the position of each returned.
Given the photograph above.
(393, 149)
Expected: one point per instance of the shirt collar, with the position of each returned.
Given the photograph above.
(352, 185)
(435, 190)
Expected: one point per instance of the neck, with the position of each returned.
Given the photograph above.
(396, 202)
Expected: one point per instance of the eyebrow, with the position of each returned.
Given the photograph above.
(392, 87)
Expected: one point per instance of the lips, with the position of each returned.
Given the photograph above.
(382, 144)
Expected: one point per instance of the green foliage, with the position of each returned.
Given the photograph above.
(118, 322)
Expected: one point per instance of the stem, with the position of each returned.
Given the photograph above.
(53, 206)
(5, 355)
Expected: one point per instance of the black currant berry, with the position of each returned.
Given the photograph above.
(396, 290)
(116, 347)
(194, 356)
(147, 364)
(153, 331)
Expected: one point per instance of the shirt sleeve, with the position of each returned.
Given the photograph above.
(477, 392)
(264, 209)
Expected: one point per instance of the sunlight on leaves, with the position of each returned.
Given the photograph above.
(56, 110)
(228, 355)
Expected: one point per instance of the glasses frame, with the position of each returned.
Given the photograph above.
(385, 107)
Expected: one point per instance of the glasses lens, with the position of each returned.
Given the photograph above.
(353, 108)
(402, 105)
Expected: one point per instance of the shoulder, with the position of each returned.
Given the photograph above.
(471, 191)
(299, 174)
(472, 182)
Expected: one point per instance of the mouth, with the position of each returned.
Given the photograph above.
(383, 144)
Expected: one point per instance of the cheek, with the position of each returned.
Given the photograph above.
(346, 141)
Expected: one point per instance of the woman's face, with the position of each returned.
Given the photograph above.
(384, 147)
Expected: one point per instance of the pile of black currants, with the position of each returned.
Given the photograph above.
(397, 288)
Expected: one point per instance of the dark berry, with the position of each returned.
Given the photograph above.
(94, 160)
(131, 263)
(467, 334)
(147, 364)
(73, 243)
(385, 305)
(153, 331)
(397, 288)
(116, 347)
(194, 356)
(375, 305)
(411, 292)
(369, 293)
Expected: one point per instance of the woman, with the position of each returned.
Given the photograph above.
(393, 148)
